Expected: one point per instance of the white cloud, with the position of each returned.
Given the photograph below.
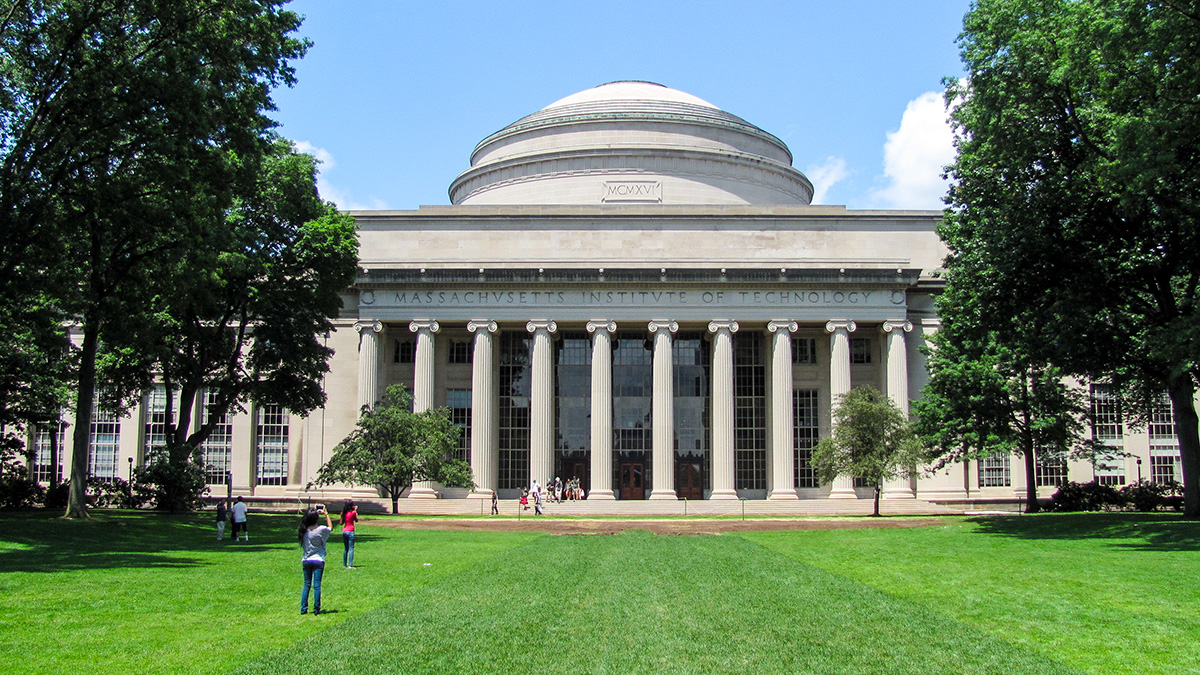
(915, 154)
(343, 199)
(825, 176)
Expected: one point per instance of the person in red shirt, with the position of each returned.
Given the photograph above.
(349, 518)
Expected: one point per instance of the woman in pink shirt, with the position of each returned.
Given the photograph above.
(349, 518)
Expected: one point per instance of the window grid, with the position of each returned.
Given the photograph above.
(459, 403)
(405, 352)
(860, 350)
(995, 471)
(573, 392)
(460, 351)
(805, 435)
(1165, 468)
(750, 413)
(513, 409)
(218, 447)
(804, 350)
(105, 444)
(1162, 419)
(691, 358)
(1106, 414)
(632, 386)
(43, 472)
(1050, 470)
(156, 420)
(271, 443)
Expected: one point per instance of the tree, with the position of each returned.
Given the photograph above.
(985, 397)
(120, 119)
(393, 447)
(1077, 189)
(242, 314)
(871, 440)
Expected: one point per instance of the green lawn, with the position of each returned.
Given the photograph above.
(136, 592)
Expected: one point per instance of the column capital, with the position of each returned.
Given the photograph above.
(375, 326)
(424, 324)
(593, 326)
(662, 324)
(489, 326)
(716, 326)
(889, 326)
(835, 325)
(776, 326)
(541, 324)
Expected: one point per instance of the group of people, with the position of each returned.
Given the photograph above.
(555, 491)
(312, 536)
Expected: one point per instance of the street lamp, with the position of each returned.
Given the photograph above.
(1139, 463)
(130, 486)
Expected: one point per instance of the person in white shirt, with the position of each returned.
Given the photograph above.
(239, 520)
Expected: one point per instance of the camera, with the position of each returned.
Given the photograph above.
(320, 507)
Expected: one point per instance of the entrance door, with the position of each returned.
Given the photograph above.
(689, 479)
(576, 469)
(632, 484)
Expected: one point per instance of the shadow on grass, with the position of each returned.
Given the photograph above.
(41, 541)
(1137, 531)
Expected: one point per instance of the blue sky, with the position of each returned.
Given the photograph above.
(394, 95)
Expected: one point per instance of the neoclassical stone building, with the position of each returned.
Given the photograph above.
(631, 287)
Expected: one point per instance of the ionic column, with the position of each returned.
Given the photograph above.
(368, 363)
(541, 402)
(722, 410)
(602, 332)
(783, 458)
(897, 390)
(484, 430)
(839, 384)
(423, 386)
(663, 400)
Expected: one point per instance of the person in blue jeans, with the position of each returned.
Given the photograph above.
(349, 519)
(312, 539)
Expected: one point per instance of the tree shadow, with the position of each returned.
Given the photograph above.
(40, 541)
(1135, 531)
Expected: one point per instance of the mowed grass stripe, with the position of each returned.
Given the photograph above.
(642, 603)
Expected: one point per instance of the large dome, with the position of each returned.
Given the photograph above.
(631, 142)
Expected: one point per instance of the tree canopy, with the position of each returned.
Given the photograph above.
(393, 447)
(871, 441)
(1075, 194)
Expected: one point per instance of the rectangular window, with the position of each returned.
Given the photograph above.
(1162, 419)
(804, 350)
(860, 350)
(995, 471)
(406, 352)
(105, 443)
(155, 436)
(1165, 465)
(513, 409)
(459, 403)
(1109, 471)
(750, 413)
(1106, 414)
(43, 471)
(218, 447)
(271, 445)
(460, 351)
(1050, 469)
(805, 434)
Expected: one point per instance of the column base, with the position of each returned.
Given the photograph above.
(659, 495)
(423, 493)
(843, 493)
(480, 493)
(601, 495)
(784, 495)
(898, 493)
(717, 495)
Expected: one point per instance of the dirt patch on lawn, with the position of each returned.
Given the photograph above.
(654, 526)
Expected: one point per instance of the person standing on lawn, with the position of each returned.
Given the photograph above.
(313, 537)
(349, 518)
(222, 516)
(239, 520)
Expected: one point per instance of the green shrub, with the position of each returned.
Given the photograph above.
(56, 497)
(1086, 497)
(1146, 496)
(173, 485)
(17, 491)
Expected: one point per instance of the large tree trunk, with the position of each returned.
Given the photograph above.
(878, 489)
(1031, 500)
(77, 498)
(1183, 404)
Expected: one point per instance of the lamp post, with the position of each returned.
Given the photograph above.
(130, 480)
(1139, 463)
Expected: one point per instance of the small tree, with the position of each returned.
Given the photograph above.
(871, 440)
(393, 447)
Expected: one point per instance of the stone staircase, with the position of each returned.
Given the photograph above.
(668, 508)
